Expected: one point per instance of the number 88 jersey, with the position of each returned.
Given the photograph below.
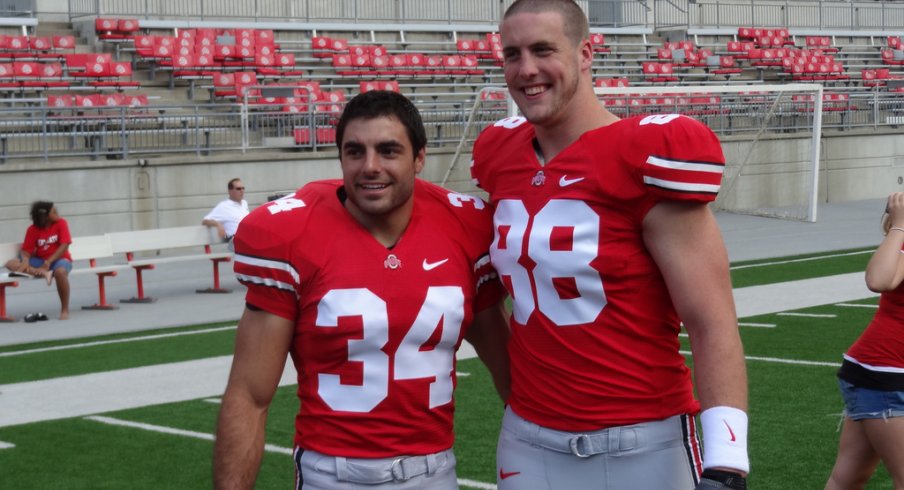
(594, 333)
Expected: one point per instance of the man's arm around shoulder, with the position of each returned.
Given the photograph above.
(261, 347)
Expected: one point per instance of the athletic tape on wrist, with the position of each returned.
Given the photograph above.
(725, 438)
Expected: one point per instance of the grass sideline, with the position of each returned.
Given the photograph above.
(795, 404)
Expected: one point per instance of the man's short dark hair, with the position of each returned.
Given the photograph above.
(574, 20)
(383, 103)
(232, 182)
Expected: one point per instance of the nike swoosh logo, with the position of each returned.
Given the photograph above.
(565, 181)
(503, 475)
(429, 266)
(730, 432)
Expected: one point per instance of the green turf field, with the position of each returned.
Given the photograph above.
(794, 402)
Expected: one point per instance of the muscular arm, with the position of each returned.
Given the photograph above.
(685, 242)
(261, 346)
(885, 270)
(489, 334)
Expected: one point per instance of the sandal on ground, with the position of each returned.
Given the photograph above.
(35, 317)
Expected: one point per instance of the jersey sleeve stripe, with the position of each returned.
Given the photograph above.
(716, 168)
(276, 265)
(683, 176)
(672, 185)
(483, 271)
(265, 281)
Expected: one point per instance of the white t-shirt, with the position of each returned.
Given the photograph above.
(229, 213)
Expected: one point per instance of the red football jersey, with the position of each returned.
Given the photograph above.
(376, 328)
(44, 242)
(594, 333)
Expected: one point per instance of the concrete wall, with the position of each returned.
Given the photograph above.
(120, 195)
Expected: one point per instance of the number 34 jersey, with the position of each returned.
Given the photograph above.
(376, 329)
(594, 333)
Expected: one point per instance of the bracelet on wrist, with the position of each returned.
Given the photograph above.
(728, 478)
(895, 228)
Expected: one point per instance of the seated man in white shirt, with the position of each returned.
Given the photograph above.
(226, 215)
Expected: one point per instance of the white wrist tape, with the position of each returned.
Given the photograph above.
(725, 438)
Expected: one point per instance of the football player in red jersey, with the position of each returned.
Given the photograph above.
(370, 283)
(606, 244)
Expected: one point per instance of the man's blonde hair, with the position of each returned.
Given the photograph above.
(574, 22)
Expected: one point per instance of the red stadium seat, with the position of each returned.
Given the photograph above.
(61, 101)
(367, 86)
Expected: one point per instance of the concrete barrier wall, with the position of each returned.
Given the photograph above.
(122, 195)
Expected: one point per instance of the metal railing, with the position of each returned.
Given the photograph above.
(654, 14)
(815, 14)
(41, 132)
(17, 8)
(396, 11)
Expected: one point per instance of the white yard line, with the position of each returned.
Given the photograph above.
(792, 261)
(855, 305)
(176, 432)
(756, 325)
(117, 341)
(778, 360)
(808, 315)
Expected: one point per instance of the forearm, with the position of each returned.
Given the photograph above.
(56, 255)
(239, 443)
(720, 373)
(261, 346)
(489, 334)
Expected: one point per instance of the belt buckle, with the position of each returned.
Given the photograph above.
(575, 444)
(397, 471)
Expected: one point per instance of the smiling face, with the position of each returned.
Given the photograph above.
(379, 167)
(543, 67)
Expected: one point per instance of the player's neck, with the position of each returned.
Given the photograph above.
(387, 228)
(556, 136)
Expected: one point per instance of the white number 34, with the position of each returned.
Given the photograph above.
(443, 304)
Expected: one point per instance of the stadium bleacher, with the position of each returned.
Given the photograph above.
(211, 66)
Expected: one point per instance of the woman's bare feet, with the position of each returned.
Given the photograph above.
(48, 276)
(64, 315)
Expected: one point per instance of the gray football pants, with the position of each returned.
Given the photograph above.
(660, 455)
(317, 471)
